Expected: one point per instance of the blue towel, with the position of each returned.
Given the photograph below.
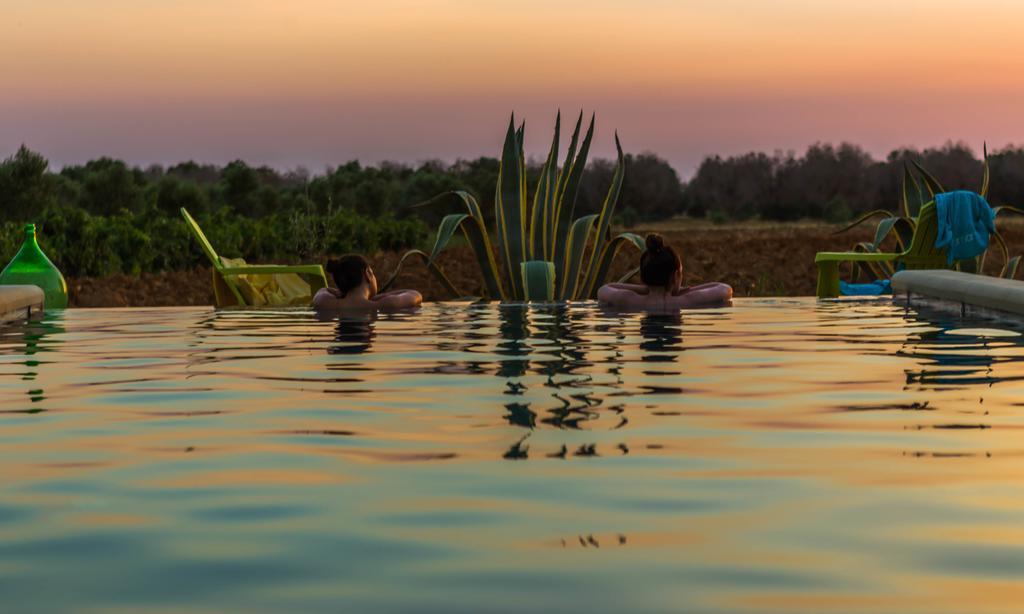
(964, 225)
(875, 288)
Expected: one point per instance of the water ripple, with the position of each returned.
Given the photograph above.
(781, 454)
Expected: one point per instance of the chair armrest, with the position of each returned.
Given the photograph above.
(854, 257)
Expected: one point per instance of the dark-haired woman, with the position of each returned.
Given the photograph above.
(661, 271)
(356, 288)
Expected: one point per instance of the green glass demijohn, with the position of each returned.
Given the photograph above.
(30, 266)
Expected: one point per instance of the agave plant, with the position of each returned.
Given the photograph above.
(580, 251)
(901, 225)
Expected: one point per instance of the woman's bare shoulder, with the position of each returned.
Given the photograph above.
(614, 295)
(400, 299)
(328, 299)
(713, 294)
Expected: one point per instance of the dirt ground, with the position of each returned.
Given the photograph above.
(756, 259)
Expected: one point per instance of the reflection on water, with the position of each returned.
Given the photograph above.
(663, 336)
(780, 455)
(354, 333)
(26, 341)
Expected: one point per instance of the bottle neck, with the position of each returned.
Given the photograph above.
(30, 235)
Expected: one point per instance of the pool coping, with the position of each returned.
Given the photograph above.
(20, 302)
(968, 294)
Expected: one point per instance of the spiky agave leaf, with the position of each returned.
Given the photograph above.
(1007, 208)
(1004, 251)
(445, 230)
(629, 275)
(524, 198)
(607, 211)
(867, 216)
(579, 237)
(904, 229)
(884, 228)
(912, 195)
(604, 260)
(554, 226)
(509, 208)
(984, 170)
(1010, 269)
(431, 266)
(879, 269)
(900, 227)
(999, 238)
(566, 203)
(543, 198)
(858, 269)
(982, 259)
(474, 229)
(933, 185)
(476, 233)
(448, 226)
(538, 280)
(545, 231)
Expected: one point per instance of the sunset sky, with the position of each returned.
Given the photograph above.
(318, 82)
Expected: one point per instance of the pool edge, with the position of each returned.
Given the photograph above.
(966, 294)
(20, 303)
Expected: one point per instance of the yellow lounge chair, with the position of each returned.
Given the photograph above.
(921, 254)
(254, 285)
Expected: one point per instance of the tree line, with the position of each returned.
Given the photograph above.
(106, 216)
(836, 183)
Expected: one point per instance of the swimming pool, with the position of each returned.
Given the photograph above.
(778, 455)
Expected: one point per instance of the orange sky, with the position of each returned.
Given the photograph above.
(318, 82)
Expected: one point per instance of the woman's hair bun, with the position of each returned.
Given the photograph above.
(348, 271)
(658, 263)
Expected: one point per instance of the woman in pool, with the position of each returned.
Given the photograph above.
(661, 270)
(357, 288)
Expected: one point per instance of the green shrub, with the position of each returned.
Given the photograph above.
(85, 245)
(718, 217)
(837, 211)
(628, 218)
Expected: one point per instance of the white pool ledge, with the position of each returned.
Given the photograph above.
(20, 302)
(966, 292)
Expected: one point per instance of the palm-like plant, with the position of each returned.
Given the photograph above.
(581, 250)
(901, 225)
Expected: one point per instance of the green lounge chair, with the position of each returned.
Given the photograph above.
(921, 254)
(238, 283)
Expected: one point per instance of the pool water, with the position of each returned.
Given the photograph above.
(780, 455)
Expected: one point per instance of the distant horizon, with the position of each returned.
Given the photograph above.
(314, 83)
(532, 159)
